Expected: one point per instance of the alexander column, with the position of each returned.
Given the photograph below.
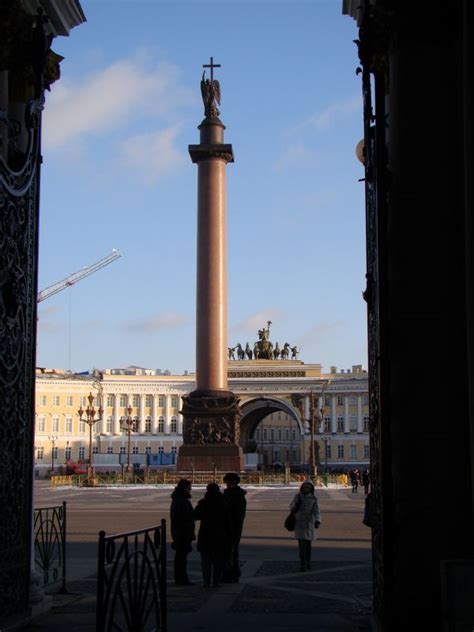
(211, 413)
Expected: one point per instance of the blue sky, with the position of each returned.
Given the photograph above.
(117, 174)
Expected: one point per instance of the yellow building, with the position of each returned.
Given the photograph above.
(274, 428)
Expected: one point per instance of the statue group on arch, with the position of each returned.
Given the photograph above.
(263, 349)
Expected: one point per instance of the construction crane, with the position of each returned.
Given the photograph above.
(72, 279)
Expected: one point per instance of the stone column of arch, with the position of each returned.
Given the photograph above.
(167, 414)
(154, 416)
(360, 423)
(346, 414)
(116, 418)
(180, 416)
(141, 414)
(333, 414)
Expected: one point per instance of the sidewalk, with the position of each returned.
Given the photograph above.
(335, 596)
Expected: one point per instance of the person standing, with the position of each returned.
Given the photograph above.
(355, 480)
(308, 518)
(234, 497)
(214, 540)
(366, 480)
(182, 530)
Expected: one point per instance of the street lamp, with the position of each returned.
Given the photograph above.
(53, 439)
(90, 420)
(326, 440)
(129, 424)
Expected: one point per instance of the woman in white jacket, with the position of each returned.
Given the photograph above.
(308, 518)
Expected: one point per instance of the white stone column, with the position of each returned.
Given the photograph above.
(154, 426)
(116, 421)
(333, 414)
(306, 407)
(360, 423)
(180, 416)
(102, 425)
(167, 414)
(141, 414)
(346, 414)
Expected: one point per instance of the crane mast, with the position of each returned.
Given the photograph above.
(72, 279)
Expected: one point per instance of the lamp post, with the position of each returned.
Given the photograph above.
(53, 439)
(90, 420)
(326, 440)
(129, 425)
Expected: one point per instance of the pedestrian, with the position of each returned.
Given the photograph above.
(354, 480)
(234, 497)
(214, 540)
(182, 530)
(308, 518)
(366, 480)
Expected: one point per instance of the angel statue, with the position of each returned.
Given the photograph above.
(211, 94)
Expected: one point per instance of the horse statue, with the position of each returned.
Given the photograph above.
(240, 352)
(294, 352)
(276, 351)
(248, 351)
(285, 352)
(255, 351)
(230, 351)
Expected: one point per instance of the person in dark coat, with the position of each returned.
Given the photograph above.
(355, 477)
(366, 480)
(182, 530)
(234, 497)
(215, 534)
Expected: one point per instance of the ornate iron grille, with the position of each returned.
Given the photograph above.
(50, 544)
(131, 581)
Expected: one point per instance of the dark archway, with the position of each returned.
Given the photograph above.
(253, 411)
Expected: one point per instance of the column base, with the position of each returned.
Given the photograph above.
(226, 458)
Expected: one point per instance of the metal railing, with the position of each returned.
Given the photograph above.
(131, 581)
(50, 544)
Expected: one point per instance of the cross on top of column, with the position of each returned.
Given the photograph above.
(212, 65)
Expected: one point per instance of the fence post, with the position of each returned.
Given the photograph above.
(100, 623)
(63, 543)
(163, 596)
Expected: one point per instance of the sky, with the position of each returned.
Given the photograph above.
(117, 174)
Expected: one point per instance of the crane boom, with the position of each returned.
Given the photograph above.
(77, 276)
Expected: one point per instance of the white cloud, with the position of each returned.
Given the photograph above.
(167, 320)
(128, 89)
(259, 320)
(153, 154)
(296, 156)
(326, 119)
(318, 332)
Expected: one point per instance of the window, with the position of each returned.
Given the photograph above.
(340, 424)
(56, 400)
(328, 450)
(287, 455)
(365, 400)
(264, 434)
(84, 401)
(149, 401)
(340, 451)
(108, 426)
(340, 400)
(82, 426)
(161, 424)
(95, 449)
(147, 450)
(148, 424)
(40, 453)
(135, 449)
(280, 434)
(67, 453)
(110, 449)
(68, 424)
(366, 424)
(123, 450)
(69, 400)
(160, 450)
(279, 416)
(55, 424)
(353, 423)
(277, 455)
(272, 434)
(43, 400)
(82, 452)
(352, 400)
(41, 424)
(294, 455)
(123, 401)
(327, 424)
(174, 402)
(161, 401)
(353, 452)
(54, 453)
(287, 434)
(173, 450)
(366, 452)
(136, 401)
(174, 424)
(293, 434)
(327, 400)
(110, 400)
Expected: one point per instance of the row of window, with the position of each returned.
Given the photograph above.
(352, 400)
(341, 451)
(123, 401)
(353, 424)
(263, 434)
(81, 453)
(108, 424)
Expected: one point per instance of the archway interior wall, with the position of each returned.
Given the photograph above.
(254, 411)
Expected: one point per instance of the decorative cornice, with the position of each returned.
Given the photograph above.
(207, 152)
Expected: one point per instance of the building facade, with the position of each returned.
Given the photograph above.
(275, 428)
